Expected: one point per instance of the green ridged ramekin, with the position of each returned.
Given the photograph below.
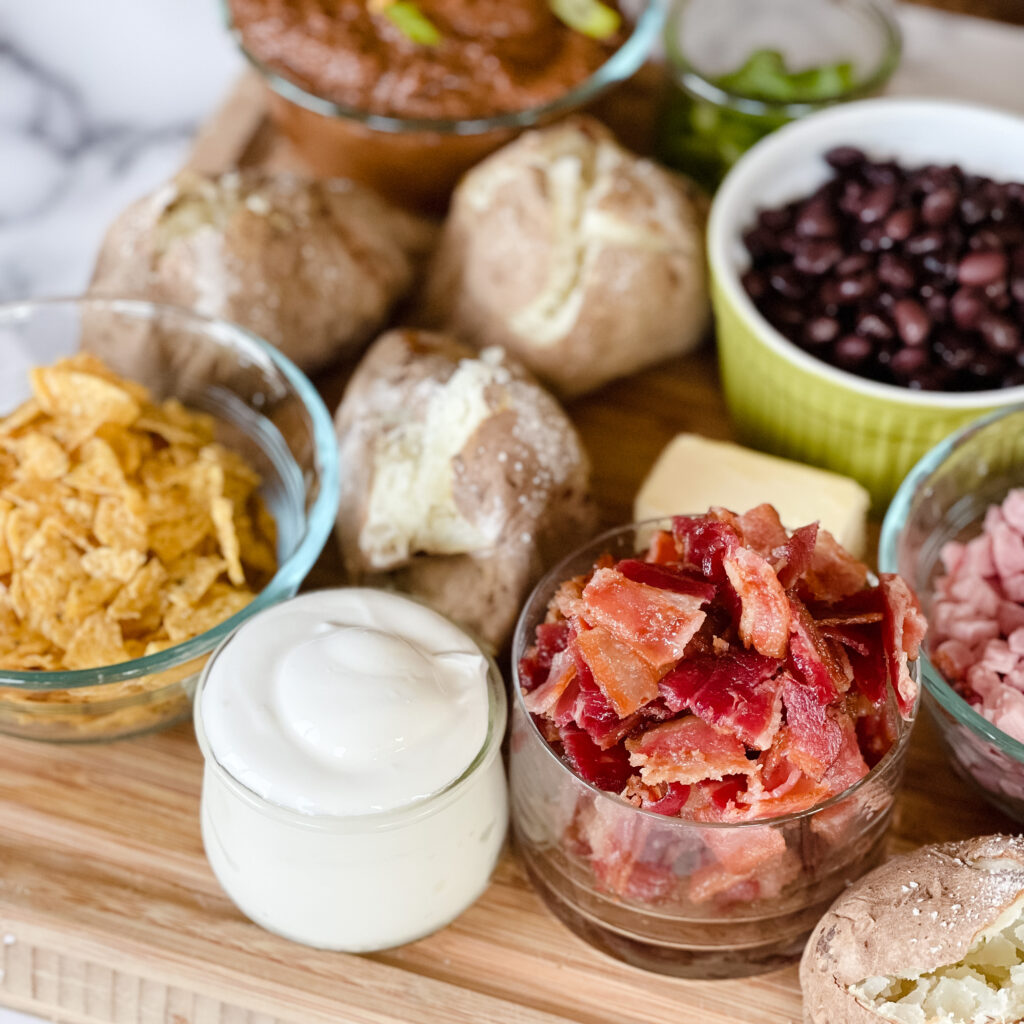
(785, 401)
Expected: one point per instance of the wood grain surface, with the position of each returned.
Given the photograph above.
(109, 912)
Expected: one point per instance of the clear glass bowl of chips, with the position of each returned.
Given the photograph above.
(226, 475)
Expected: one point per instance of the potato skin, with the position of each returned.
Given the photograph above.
(582, 259)
(521, 479)
(314, 267)
(872, 929)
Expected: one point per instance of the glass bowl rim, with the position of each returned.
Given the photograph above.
(686, 73)
(318, 521)
(897, 750)
(394, 817)
(622, 64)
(799, 140)
(935, 683)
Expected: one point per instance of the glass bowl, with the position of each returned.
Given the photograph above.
(628, 881)
(417, 161)
(944, 498)
(264, 408)
(710, 119)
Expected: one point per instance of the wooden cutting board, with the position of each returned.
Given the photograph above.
(109, 912)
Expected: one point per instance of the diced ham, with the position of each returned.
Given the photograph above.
(952, 555)
(764, 620)
(953, 658)
(624, 677)
(1007, 551)
(974, 631)
(978, 557)
(1015, 641)
(733, 691)
(984, 681)
(687, 750)
(1010, 617)
(998, 657)
(1013, 509)
(655, 623)
(977, 596)
(1013, 587)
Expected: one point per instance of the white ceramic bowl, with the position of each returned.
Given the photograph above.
(786, 401)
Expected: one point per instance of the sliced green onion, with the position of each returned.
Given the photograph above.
(591, 17)
(412, 23)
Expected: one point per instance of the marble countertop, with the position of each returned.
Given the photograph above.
(95, 113)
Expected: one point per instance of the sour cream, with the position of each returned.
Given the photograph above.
(354, 796)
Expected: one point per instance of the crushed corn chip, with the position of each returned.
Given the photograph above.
(124, 527)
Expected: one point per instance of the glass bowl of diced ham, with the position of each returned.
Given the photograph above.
(710, 723)
(955, 530)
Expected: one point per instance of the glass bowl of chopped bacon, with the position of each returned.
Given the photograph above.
(709, 727)
(956, 530)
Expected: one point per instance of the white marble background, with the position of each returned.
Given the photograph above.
(99, 100)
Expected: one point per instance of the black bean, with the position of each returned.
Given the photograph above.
(937, 306)
(853, 264)
(900, 225)
(908, 361)
(755, 284)
(775, 220)
(857, 287)
(895, 271)
(967, 305)
(912, 322)
(871, 325)
(816, 220)
(924, 242)
(843, 158)
(851, 351)
(978, 269)
(817, 256)
(877, 203)
(1001, 336)
(821, 330)
(954, 350)
(974, 208)
(938, 207)
(786, 281)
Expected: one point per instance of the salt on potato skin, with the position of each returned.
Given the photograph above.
(915, 915)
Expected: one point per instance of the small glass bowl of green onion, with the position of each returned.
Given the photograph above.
(742, 68)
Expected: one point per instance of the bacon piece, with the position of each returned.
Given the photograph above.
(733, 691)
(541, 700)
(903, 630)
(833, 572)
(782, 788)
(765, 879)
(667, 799)
(625, 678)
(656, 623)
(535, 665)
(811, 738)
(764, 620)
(739, 850)
(687, 750)
(717, 799)
(667, 577)
(662, 550)
(584, 704)
(607, 769)
(811, 658)
(761, 529)
(834, 823)
(793, 558)
(704, 543)
(568, 599)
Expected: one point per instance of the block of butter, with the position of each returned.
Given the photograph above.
(694, 473)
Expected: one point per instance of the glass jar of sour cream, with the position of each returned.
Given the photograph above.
(354, 795)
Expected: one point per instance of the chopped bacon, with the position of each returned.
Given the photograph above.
(739, 850)
(733, 691)
(665, 799)
(704, 543)
(793, 558)
(667, 577)
(584, 704)
(535, 665)
(903, 630)
(657, 624)
(623, 676)
(563, 670)
(811, 658)
(761, 529)
(662, 550)
(764, 622)
(833, 572)
(568, 599)
(811, 738)
(606, 769)
(782, 788)
(687, 750)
